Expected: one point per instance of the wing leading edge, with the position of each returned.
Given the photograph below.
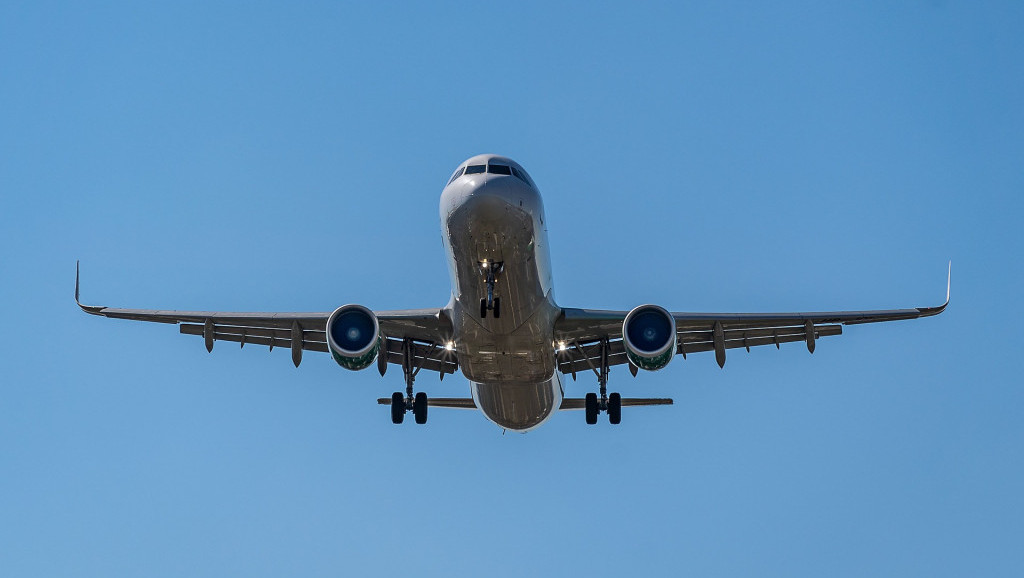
(583, 331)
(428, 330)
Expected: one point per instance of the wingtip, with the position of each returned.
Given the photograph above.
(949, 278)
(929, 311)
(93, 309)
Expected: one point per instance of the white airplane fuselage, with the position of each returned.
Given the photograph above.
(509, 359)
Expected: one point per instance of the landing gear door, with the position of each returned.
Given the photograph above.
(488, 249)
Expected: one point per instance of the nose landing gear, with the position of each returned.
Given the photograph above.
(491, 270)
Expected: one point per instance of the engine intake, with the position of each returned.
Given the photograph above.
(353, 336)
(649, 334)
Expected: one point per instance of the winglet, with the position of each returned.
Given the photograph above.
(949, 278)
(928, 311)
(93, 309)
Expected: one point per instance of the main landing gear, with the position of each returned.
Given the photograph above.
(611, 404)
(400, 404)
(491, 270)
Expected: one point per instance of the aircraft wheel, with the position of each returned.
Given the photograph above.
(419, 408)
(614, 408)
(497, 307)
(591, 407)
(483, 308)
(397, 407)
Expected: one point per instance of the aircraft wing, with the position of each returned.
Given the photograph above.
(580, 332)
(429, 330)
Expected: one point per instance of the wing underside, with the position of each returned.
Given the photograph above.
(586, 335)
(423, 331)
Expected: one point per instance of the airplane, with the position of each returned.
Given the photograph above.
(502, 328)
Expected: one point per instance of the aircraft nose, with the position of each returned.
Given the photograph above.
(485, 184)
(502, 190)
(489, 196)
(488, 199)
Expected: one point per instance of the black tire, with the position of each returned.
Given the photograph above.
(591, 408)
(419, 408)
(483, 309)
(497, 307)
(614, 409)
(397, 407)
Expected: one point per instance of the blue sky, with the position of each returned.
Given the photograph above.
(733, 157)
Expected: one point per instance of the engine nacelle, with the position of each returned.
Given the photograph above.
(353, 336)
(649, 334)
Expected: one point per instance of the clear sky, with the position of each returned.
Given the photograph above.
(740, 157)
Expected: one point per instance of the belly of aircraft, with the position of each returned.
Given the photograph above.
(517, 346)
(518, 406)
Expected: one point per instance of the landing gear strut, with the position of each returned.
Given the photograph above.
(611, 404)
(491, 271)
(417, 404)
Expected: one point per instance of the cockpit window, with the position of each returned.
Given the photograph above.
(457, 174)
(499, 169)
(521, 175)
(475, 169)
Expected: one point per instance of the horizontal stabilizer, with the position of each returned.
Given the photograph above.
(450, 402)
(568, 403)
(580, 403)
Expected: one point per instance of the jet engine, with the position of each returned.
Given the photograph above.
(353, 336)
(649, 334)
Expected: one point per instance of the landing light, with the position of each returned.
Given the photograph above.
(561, 346)
(450, 346)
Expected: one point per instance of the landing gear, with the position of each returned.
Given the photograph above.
(397, 407)
(591, 408)
(419, 408)
(491, 270)
(417, 403)
(614, 409)
(612, 404)
(496, 307)
(400, 404)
